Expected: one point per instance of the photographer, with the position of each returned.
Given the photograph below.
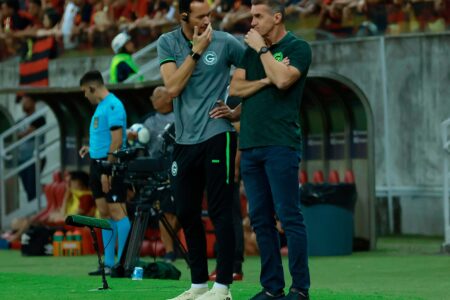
(107, 134)
(156, 122)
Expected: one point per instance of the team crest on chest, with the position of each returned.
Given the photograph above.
(210, 58)
(278, 56)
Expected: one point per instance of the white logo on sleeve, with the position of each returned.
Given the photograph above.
(174, 169)
(210, 58)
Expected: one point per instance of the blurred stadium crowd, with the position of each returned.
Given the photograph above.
(91, 24)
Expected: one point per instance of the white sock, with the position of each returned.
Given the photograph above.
(199, 285)
(220, 286)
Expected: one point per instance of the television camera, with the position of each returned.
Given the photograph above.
(149, 178)
(134, 167)
(137, 168)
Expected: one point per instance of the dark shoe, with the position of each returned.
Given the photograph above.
(265, 295)
(170, 257)
(98, 272)
(296, 295)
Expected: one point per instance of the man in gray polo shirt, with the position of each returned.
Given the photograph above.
(195, 66)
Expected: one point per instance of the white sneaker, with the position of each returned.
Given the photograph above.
(216, 294)
(191, 294)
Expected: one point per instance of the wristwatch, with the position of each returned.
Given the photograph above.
(263, 50)
(195, 56)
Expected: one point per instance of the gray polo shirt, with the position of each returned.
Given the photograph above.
(208, 83)
(155, 123)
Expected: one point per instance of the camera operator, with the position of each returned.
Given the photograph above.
(156, 122)
(107, 134)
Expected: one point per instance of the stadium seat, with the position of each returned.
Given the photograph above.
(43, 214)
(16, 245)
(50, 195)
(349, 177)
(54, 193)
(303, 177)
(57, 176)
(318, 177)
(59, 190)
(333, 177)
(207, 223)
(210, 244)
(146, 248)
(152, 248)
(152, 244)
(152, 234)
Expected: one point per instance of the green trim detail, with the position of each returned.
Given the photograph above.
(215, 161)
(166, 60)
(228, 158)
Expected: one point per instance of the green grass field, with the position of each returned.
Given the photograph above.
(401, 268)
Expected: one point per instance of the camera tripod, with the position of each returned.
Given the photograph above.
(147, 206)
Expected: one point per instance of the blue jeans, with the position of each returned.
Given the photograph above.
(270, 177)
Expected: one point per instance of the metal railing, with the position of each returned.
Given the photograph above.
(445, 134)
(13, 205)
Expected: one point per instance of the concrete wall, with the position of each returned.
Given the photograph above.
(9, 73)
(421, 215)
(8, 106)
(67, 72)
(418, 89)
(417, 81)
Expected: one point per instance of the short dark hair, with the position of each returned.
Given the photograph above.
(275, 5)
(52, 15)
(29, 97)
(91, 77)
(21, 95)
(184, 6)
(80, 176)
